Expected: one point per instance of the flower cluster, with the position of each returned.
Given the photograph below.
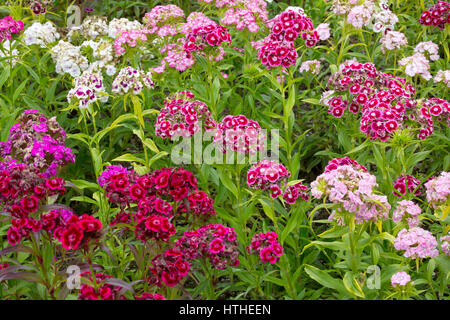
(39, 6)
(207, 40)
(168, 268)
(9, 27)
(183, 116)
(199, 204)
(39, 142)
(337, 162)
(68, 59)
(352, 189)
(79, 232)
(443, 76)
(438, 189)
(407, 211)
(417, 243)
(104, 290)
(239, 134)
(437, 15)
(403, 184)
(268, 175)
(130, 80)
(93, 27)
(245, 14)
(116, 26)
(429, 49)
(311, 66)
(214, 242)
(445, 245)
(150, 296)
(360, 16)
(40, 34)
(400, 279)
(161, 20)
(417, 64)
(429, 111)
(393, 40)
(130, 38)
(88, 88)
(267, 246)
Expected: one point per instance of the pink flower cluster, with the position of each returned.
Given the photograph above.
(130, 39)
(183, 116)
(237, 133)
(207, 41)
(39, 142)
(393, 40)
(352, 189)
(417, 243)
(337, 162)
(408, 212)
(445, 245)
(168, 268)
(438, 189)
(267, 246)
(245, 14)
(272, 176)
(400, 279)
(9, 27)
(278, 48)
(176, 57)
(403, 184)
(437, 15)
(214, 242)
(430, 111)
(416, 65)
(162, 20)
(150, 296)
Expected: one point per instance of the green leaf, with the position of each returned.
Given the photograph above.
(324, 278)
(227, 182)
(352, 285)
(128, 157)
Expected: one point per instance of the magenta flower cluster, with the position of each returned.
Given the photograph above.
(437, 15)
(267, 246)
(9, 27)
(39, 142)
(406, 183)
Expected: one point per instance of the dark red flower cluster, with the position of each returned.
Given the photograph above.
(433, 107)
(267, 246)
(104, 291)
(335, 163)
(214, 242)
(239, 134)
(200, 205)
(155, 227)
(293, 192)
(437, 15)
(183, 116)
(207, 40)
(278, 49)
(168, 268)
(22, 192)
(403, 184)
(4, 265)
(150, 296)
(39, 142)
(54, 221)
(79, 232)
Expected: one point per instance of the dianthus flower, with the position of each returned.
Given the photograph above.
(245, 14)
(39, 6)
(443, 76)
(403, 184)
(130, 39)
(323, 31)
(104, 290)
(183, 116)
(430, 112)
(417, 243)
(168, 268)
(445, 245)
(88, 88)
(40, 34)
(207, 41)
(267, 246)
(438, 189)
(9, 27)
(352, 189)
(311, 66)
(214, 242)
(68, 59)
(393, 40)
(150, 296)
(437, 15)
(132, 81)
(199, 205)
(93, 27)
(337, 162)
(417, 64)
(407, 211)
(79, 232)
(400, 279)
(429, 49)
(161, 20)
(120, 25)
(360, 16)
(39, 142)
(239, 134)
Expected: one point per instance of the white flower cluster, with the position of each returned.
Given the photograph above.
(9, 51)
(40, 34)
(443, 76)
(393, 40)
(311, 66)
(91, 28)
(417, 64)
(429, 49)
(87, 89)
(68, 59)
(103, 53)
(131, 80)
(122, 24)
